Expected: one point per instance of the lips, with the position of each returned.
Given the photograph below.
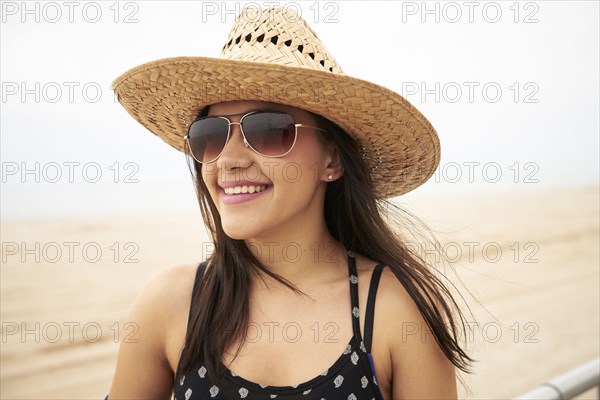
(241, 192)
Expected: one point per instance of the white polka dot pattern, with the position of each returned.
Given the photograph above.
(351, 377)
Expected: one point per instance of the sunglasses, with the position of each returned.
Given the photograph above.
(270, 133)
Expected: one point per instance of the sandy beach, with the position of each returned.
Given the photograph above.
(529, 258)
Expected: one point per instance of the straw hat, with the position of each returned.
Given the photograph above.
(273, 55)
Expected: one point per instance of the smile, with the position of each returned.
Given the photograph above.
(242, 194)
(244, 189)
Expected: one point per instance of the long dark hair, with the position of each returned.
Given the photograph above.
(359, 220)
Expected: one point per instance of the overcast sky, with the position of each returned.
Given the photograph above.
(511, 88)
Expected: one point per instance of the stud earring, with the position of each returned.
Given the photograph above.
(330, 177)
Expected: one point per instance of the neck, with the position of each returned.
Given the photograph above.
(303, 256)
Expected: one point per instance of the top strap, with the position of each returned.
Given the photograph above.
(199, 272)
(369, 316)
(354, 294)
(197, 280)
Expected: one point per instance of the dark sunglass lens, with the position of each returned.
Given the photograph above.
(208, 137)
(270, 133)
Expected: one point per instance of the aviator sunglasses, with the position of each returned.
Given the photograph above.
(270, 133)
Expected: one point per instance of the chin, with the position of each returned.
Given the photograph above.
(238, 230)
(236, 234)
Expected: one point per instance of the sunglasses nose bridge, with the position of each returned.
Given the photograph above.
(239, 124)
(233, 153)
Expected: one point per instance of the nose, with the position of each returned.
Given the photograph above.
(236, 152)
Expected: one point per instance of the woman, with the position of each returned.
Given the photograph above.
(309, 292)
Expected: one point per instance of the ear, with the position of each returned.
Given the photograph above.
(333, 166)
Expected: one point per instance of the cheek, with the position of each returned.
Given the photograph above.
(307, 165)
(294, 175)
(210, 180)
(298, 178)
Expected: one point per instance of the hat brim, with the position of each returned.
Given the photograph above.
(401, 147)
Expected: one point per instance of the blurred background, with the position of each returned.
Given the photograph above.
(92, 204)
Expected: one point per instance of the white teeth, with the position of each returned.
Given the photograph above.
(244, 189)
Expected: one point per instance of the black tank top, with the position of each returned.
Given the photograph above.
(351, 377)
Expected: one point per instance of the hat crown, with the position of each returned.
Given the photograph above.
(278, 36)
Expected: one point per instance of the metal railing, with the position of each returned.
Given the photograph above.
(569, 384)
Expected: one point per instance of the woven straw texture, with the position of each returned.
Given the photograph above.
(273, 56)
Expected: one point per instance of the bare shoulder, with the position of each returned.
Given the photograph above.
(169, 294)
(416, 358)
(171, 283)
(394, 299)
(392, 296)
(165, 294)
(178, 274)
(159, 314)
